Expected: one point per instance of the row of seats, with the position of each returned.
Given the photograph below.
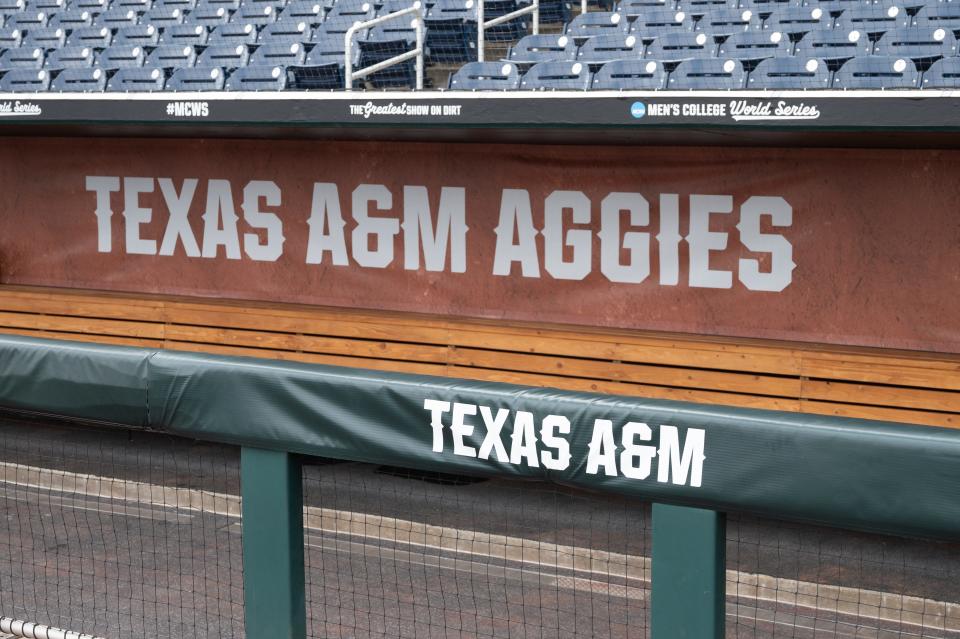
(873, 72)
(914, 43)
(87, 80)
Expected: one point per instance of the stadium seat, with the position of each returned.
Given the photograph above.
(358, 10)
(486, 76)
(942, 74)
(386, 7)
(88, 80)
(633, 9)
(596, 23)
(707, 74)
(385, 41)
(185, 34)
(47, 6)
(832, 46)
(256, 79)
(286, 32)
(172, 56)
(73, 19)
(272, 55)
(532, 49)
(600, 49)
(163, 17)
(941, 14)
(877, 72)
(10, 7)
(229, 5)
(22, 58)
(22, 80)
(26, 21)
(700, 7)
(140, 6)
(46, 38)
(69, 58)
(309, 11)
(225, 56)
(630, 75)
(233, 33)
(10, 38)
(196, 79)
(208, 16)
(681, 46)
(448, 39)
(659, 22)
(871, 19)
(725, 22)
(254, 14)
(799, 20)
(783, 74)
(276, 5)
(96, 37)
(917, 43)
(115, 18)
(183, 5)
(318, 76)
(93, 6)
(145, 35)
(558, 74)
(121, 56)
(765, 7)
(136, 79)
(755, 45)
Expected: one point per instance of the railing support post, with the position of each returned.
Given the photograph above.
(273, 573)
(689, 573)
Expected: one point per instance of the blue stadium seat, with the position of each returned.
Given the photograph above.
(256, 79)
(96, 37)
(45, 38)
(136, 79)
(172, 56)
(633, 9)
(69, 58)
(486, 76)
(115, 18)
(274, 55)
(917, 43)
(22, 58)
(196, 79)
(73, 19)
(121, 56)
(877, 72)
(700, 7)
(225, 56)
(183, 5)
(10, 7)
(163, 17)
(145, 35)
(310, 11)
(833, 46)
(140, 6)
(765, 7)
(942, 74)
(661, 21)
(559, 74)
(448, 39)
(681, 46)
(208, 16)
(532, 49)
(24, 80)
(233, 33)
(47, 6)
(385, 41)
(254, 14)
(229, 5)
(93, 6)
(942, 14)
(25, 21)
(707, 74)
(630, 75)
(784, 74)
(386, 7)
(276, 5)
(358, 10)
(799, 20)
(286, 31)
(88, 80)
(10, 38)
(596, 23)
(871, 19)
(721, 23)
(607, 48)
(184, 34)
(755, 45)
(553, 11)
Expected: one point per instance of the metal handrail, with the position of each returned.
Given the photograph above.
(483, 25)
(349, 74)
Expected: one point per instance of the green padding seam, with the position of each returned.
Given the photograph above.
(852, 473)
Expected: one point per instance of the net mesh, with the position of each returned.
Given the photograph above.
(398, 553)
(119, 533)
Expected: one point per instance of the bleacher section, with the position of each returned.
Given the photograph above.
(211, 45)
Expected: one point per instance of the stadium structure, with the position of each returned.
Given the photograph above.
(479, 318)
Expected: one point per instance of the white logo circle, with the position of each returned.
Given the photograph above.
(176, 13)
(776, 37)
(365, 7)
(186, 51)
(939, 35)
(239, 49)
(816, 13)
(214, 73)
(150, 30)
(294, 48)
(276, 72)
(199, 30)
(679, 17)
(97, 73)
(36, 53)
(615, 18)
(576, 68)
(812, 65)
(729, 66)
(506, 69)
(220, 12)
(267, 10)
(301, 26)
(893, 11)
(469, 4)
(135, 52)
(701, 39)
(631, 40)
(562, 41)
(746, 15)
(651, 67)
(246, 28)
(900, 66)
(41, 75)
(853, 36)
(85, 52)
(155, 74)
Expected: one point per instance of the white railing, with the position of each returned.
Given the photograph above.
(483, 25)
(349, 74)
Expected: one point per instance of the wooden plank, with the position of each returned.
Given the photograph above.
(946, 420)
(81, 337)
(874, 395)
(81, 325)
(944, 375)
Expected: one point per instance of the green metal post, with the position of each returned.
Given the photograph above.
(688, 573)
(273, 579)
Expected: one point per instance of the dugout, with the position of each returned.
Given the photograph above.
(728, 319)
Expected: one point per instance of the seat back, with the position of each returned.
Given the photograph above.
(121, 56)
(558, 74)
(532, 49)
(782, 74)
(310, 11)
(726, 22)
(277, 55)
(833, 45)
(681, 46)
(225, 56)
(196, 79)
(10, 38)
(755, 45)
(163, 17)
(798, 20)
(661, 21)
(69, 57)
(917, 43)
(73, 19)
(606, 48)
(136, 79)
(877, 72)
(115, 18)
(286, 32)
(630, 75)
(27, 20)
(708, 74)
(259, 78)
(872, 18)
(594, 23)
(172, 56)
(234, 33)
(96, 37)
(486, 76)
(140, 34)
(22, 58)
(25, 80)
(82, 80)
